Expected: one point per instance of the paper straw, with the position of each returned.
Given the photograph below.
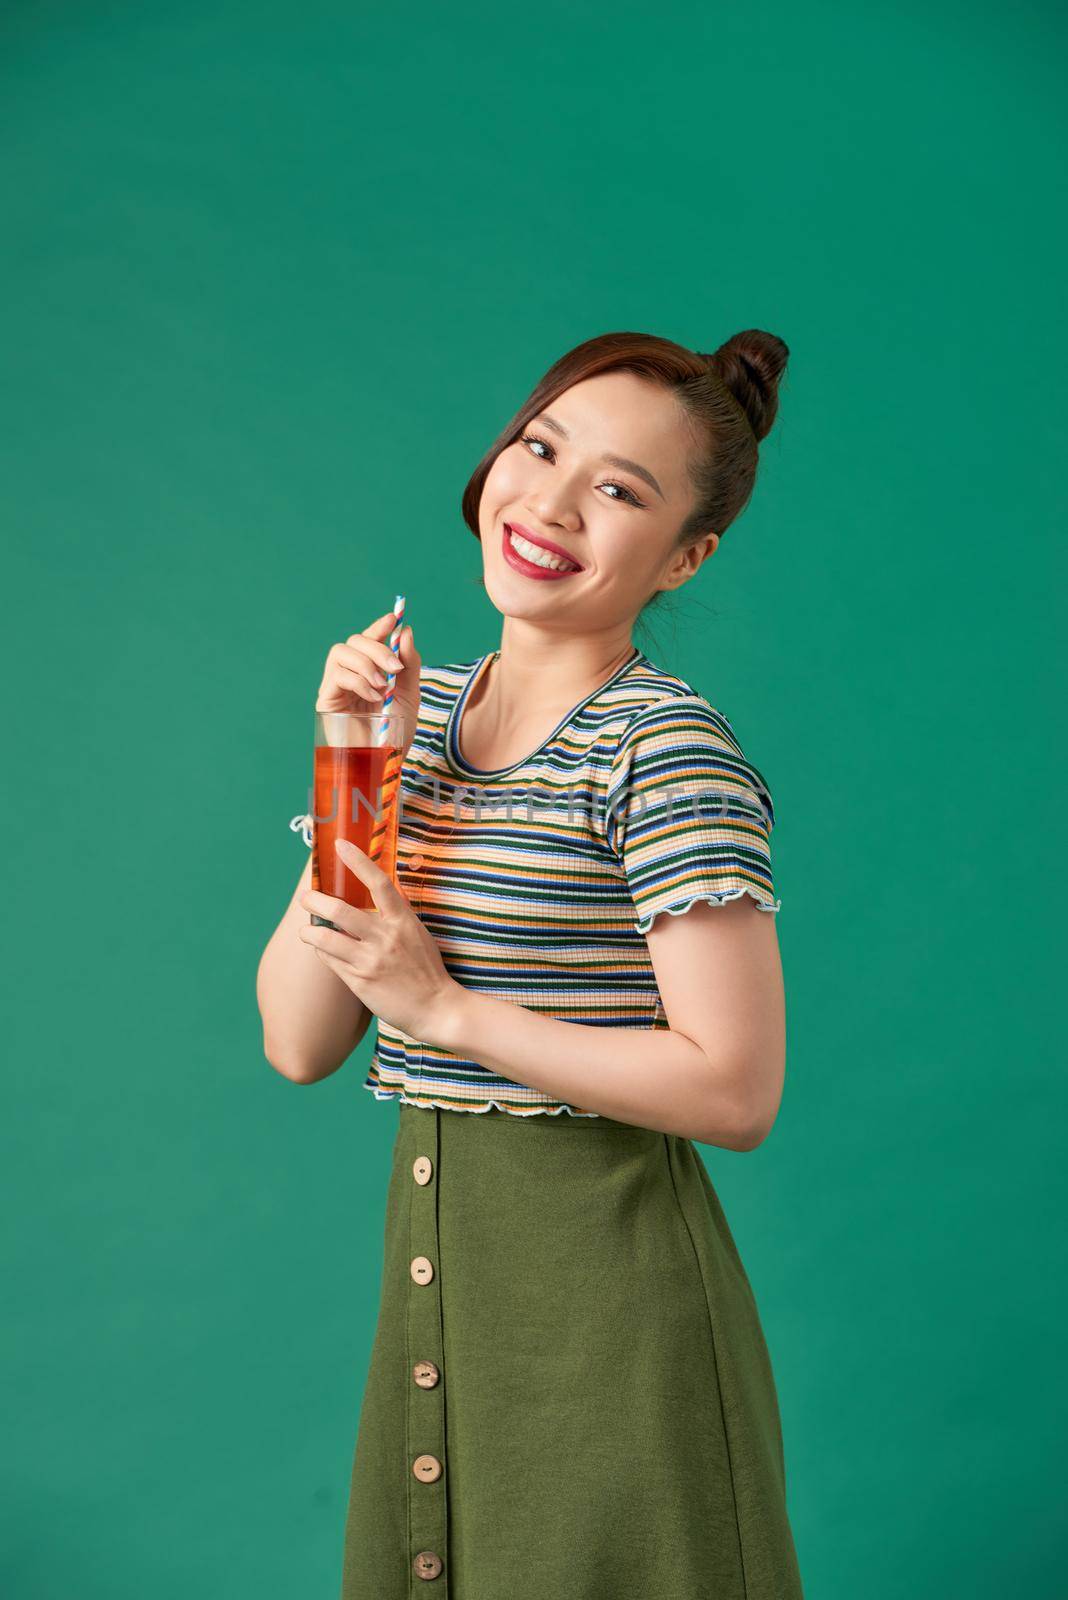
(305, 825)
(391, 775)
(391, 677)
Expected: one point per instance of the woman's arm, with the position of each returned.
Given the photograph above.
(715, 1074)
(312, 1021)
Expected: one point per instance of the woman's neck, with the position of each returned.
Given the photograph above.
(532, 682)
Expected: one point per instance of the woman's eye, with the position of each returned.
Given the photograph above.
(633, 498)
(534, 438)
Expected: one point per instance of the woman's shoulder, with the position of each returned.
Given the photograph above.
(445, 680)
(675, 733)
(656, 696)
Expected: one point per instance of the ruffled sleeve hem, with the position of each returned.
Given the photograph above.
(643, 924)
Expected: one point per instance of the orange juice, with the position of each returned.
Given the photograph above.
(350, 800)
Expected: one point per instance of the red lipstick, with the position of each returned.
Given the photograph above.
(530, 569)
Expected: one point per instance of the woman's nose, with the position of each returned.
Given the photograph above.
(558, 507)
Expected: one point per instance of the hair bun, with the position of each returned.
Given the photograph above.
(750, 365)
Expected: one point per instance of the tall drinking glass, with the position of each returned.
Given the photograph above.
(355, 795)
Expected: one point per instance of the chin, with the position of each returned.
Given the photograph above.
(514, 600)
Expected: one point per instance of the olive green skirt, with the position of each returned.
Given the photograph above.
(569, 1394)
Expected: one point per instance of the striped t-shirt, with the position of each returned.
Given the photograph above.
(539, 881)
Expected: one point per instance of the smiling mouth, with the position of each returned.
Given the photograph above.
(535, 559)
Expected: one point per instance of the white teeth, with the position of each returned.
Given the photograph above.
(540, 557)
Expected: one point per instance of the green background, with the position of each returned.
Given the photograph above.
(273, 282)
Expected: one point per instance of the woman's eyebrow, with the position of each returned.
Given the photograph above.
(613, 461)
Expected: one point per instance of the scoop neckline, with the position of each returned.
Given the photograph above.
(460, 763)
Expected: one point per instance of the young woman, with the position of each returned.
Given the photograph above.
(569, 1395)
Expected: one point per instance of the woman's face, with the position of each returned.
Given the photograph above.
(611, 522)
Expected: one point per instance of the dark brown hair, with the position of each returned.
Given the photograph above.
(730, 397)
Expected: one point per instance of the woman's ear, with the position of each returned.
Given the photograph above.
(685, 562)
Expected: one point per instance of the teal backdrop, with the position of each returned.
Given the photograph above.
(273, 281)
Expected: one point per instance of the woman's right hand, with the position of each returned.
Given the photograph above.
(354, 678)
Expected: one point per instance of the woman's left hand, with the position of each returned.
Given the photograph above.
(386, 957)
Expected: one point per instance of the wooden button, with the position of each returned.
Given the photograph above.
(423, 1169)
(427, 1469)
(422, 1269)
(425, 1374)
(427, 1564)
